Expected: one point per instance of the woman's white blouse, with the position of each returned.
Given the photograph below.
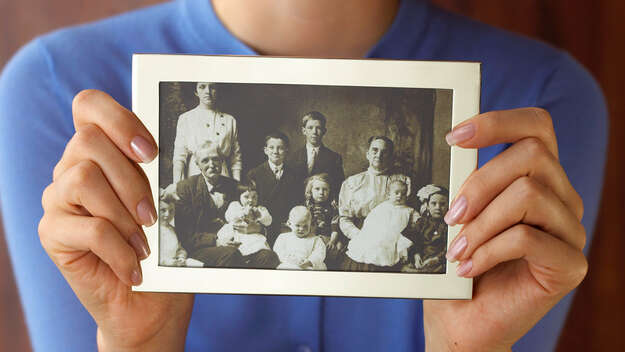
(196, 127)
(360, 193)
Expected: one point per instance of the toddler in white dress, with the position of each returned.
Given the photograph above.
(247, 211)
(300, 248)
(380, 241)
(170, 251)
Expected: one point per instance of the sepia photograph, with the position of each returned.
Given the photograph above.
(303, 177)
(294, 177)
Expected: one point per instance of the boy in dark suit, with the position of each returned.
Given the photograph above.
(315, 158)
(280, 185)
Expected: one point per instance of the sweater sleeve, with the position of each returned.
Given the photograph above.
(35, 125)
(579, 113)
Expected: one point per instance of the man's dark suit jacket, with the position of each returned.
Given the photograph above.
(197, 218)
(327, 161)
(279, 196)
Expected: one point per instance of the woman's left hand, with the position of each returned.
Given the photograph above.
(522, 239)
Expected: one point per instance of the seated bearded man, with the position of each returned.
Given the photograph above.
(200, 209)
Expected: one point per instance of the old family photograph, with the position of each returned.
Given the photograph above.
(303, 177)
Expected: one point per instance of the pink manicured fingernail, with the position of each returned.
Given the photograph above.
(139, 245)
(456, 249)
(464, 267)
(144, 149)
(146, 212)
(135, 277)
(460, 134)
(457, 210)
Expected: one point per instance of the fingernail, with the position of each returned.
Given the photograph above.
(135, 277)
(146, 212)
(456, 249)
(143, 149)
(460, 134)
(457, 211)
(464, 268)
(141, 248)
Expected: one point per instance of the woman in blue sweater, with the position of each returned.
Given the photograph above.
(521, 210)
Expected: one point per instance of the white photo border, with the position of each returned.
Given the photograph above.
(148, 70)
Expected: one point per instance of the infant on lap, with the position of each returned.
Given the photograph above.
(246, 211)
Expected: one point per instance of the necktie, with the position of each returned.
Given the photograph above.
(278, 173)
(312, 159)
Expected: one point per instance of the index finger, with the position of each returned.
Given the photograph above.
(505, 126)
(122, 126)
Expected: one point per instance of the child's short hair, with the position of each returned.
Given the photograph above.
(298, 211)
(314, 116)
(324, 177)
(277, 135)
(249, 186)
(400, 183)
(165, 198)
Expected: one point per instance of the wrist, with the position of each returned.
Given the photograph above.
(168, 334)
(443, 336)
(158, 342)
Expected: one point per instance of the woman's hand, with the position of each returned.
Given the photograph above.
(522, 239)
(91, 229)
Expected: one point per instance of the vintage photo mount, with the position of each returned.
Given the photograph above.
(462, 77)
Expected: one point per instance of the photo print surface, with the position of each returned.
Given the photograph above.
(303, 177)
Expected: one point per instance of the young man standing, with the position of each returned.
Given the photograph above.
(315, 158)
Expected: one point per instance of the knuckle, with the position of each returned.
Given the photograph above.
(97, 229)
(84, 174)
(83, 99)
(581, 272)
(42, 230)
(47, 197)
(577, 272)
(579, 206)
(529, 192)
(582, 236)
(535, 148)
(545, 122)
(87, 134)
(542, 116)
(524, 236)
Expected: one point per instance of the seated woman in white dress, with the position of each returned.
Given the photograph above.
(380, 241)
(245, 211)
(300, 249)
(362, 192)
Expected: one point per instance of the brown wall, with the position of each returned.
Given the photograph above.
(409, 116)
(592, 31)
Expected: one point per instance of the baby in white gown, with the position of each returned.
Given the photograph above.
(300, 248)
(246, 210)
(380, 241)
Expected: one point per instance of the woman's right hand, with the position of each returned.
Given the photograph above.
(91, 228)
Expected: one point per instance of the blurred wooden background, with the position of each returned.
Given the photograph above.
(592, 31)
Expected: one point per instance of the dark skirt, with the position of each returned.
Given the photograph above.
(351, 265)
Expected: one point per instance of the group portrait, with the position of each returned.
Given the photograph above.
(303, 177)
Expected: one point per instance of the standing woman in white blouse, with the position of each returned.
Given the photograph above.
(204, 123)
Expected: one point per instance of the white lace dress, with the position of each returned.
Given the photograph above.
(293, 251)
(380, 241)
(251, 242)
